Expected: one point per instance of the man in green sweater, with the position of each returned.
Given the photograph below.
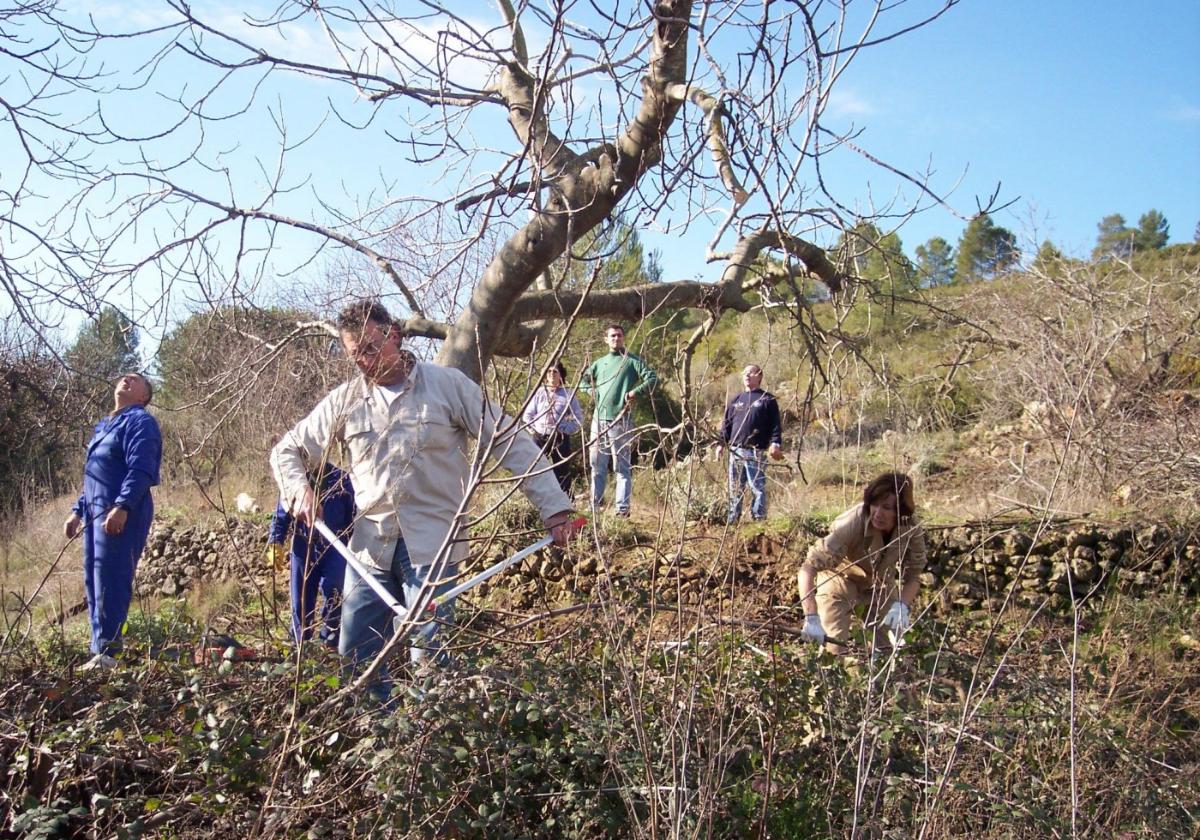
(615, 380)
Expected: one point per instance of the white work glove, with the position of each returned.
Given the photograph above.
(898, 619)
(813, 631)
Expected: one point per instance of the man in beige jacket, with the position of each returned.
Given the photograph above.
(404, 425)
(873, 557)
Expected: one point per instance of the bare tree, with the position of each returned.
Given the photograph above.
(680, 114)
(44, 149)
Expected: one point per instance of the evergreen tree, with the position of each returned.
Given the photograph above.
(652, 268)
(867, 253)
(1049, 260)
(1114, 238)
(106, 347)
(617, 257)
(935, 262)
(985, 250)
(1152, 232)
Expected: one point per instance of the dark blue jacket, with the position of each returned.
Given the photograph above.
(123, 461)
(752, 419)
(337, 506)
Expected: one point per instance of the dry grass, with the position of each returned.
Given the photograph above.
(37, 559)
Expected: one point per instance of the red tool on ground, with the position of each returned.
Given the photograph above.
(217, 648)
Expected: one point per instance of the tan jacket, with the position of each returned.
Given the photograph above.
(856, 549)
(408, 461)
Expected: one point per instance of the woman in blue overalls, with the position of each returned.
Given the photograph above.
(115, 509)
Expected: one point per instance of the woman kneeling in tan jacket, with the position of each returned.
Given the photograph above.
(873, 556)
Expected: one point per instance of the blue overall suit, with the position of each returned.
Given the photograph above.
(323, 569)
(123, 462)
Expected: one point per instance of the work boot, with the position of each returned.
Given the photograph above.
(100, 662)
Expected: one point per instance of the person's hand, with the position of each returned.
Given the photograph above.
(276, 557)
(898, 619)
(305, 507)
(775, 452)
(562, 527)
(813, 630)
(114, 523)
(72, 526)
(629, 398)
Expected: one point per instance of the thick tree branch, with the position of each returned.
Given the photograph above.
(586, 188)
(518, 35)
(525, 98)
(635, 302)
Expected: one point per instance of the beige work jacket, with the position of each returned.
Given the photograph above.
(408, 461)
(856, 549)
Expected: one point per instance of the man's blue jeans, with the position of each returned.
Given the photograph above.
(747, 466)
(611, 442)
(368, 623)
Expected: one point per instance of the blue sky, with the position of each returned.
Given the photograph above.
(1077, 109)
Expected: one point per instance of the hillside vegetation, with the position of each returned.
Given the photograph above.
(651, 682)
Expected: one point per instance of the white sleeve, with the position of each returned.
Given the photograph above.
(305, 445)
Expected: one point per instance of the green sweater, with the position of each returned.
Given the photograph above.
(611, 377)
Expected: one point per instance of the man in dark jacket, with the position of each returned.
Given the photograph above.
(315, 564)
(752, 430)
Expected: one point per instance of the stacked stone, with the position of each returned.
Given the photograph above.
(176, 557)
(970, 567)
(974, 567)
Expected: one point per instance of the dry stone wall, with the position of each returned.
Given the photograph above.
(970, 566)
(178, 556)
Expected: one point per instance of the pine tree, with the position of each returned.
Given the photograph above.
(1114, 240)
(103, 350)
(1152, 232)
(869, 254)
(616, 256)
(1049, 260)
(935, 262)
(985, 250)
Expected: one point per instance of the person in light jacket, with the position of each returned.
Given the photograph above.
(873, 557)
(404, 426)
(115, 510)
(553, 415)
